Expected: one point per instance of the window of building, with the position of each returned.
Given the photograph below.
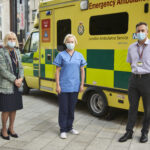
(63, 28)
(109, 24)
(34, 14)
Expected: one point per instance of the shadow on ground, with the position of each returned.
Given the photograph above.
(51, 99)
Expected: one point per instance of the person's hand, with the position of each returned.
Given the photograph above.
(81, 88)
(58, 89)
(18, 82)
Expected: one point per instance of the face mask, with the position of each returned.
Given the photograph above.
(141, 36)
(11, 44)
(70, 46)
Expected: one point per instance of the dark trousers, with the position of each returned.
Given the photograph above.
(139, 86)
(67, 102)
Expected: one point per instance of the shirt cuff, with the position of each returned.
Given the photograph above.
(83, 64)
(54, 63)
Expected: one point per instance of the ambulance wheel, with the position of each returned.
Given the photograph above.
(25, 88)
(97, 104)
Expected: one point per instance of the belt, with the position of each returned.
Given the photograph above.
(140, 75)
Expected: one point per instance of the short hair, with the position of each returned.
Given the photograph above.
(142, 23)
(6, 39)
(70, 36)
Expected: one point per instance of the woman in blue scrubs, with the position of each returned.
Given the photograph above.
(69, 69)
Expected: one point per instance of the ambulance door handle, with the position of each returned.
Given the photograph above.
(35, 58)
(49, 57)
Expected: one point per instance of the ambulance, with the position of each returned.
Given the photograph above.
(104, 30)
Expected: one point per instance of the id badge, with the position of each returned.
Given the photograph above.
(139, 64)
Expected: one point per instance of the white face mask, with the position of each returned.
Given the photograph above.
(141, 36)
(11, 44)
(70, 46)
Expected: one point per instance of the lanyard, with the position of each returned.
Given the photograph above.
(141, 54)
(14, 60)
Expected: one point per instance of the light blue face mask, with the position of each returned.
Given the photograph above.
(70, 46)
(11, 44)
(141, 36)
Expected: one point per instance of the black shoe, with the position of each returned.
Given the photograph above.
(126, 136)
(5, 137)
(144, 138)
(13, 135)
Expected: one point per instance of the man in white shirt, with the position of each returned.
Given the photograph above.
(139, 82)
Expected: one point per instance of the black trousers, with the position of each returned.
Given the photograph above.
(67, 103)
(139, 86)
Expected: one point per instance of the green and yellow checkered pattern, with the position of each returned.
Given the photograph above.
(107, 68)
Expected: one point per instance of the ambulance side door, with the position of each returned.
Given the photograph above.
(47, 76)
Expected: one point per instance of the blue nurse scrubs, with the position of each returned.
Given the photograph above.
(69, 81)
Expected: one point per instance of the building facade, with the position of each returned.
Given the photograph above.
(33, 8)
(4, 18)
(11, 21)
(14, 16)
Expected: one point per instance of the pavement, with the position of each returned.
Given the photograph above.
(37, 127)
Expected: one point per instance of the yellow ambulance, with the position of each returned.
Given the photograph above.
(104, 30)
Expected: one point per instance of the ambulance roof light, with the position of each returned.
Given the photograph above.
(84, 4)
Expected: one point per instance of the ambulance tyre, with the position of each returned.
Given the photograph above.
(97, 104)
(25, 88)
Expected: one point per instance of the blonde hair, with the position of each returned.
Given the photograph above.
(70, 36)
(6, 39)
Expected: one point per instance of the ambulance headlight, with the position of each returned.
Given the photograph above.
(84, 4)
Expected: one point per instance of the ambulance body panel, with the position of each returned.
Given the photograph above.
(104, 32)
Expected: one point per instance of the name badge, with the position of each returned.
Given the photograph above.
(139, 64)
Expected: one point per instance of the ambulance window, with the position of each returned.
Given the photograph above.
(27, 45)
(34, 42)
(109, 24)
(63, 28)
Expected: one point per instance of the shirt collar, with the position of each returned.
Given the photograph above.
(69, 54)
(146, 42)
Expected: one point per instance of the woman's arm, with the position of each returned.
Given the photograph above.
(3, 72)
(58, 89)
(82, 78)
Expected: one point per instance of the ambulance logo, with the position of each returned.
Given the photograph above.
(134, 36)
(80, 28)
